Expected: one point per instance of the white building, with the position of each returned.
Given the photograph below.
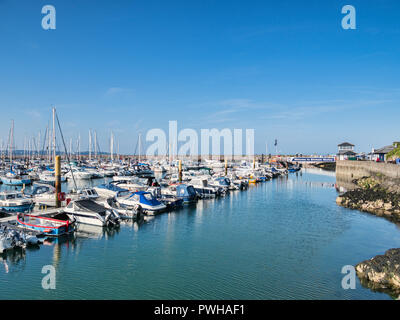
(345, 150)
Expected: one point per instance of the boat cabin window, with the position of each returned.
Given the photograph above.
(41, 190)
(10, 196)
(123, 193)
(148, 196)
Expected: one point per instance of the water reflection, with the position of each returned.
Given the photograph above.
(344, 184)
(13, 261)
(282, 239)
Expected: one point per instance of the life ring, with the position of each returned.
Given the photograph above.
(61, 196)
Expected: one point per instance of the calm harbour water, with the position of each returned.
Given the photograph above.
(283, 239)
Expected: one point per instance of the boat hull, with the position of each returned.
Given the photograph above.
(57, 229)
(89, 220)
(15, 182)
(18, 208)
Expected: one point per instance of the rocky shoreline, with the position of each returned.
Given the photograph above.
(381, 273)
(372, 197)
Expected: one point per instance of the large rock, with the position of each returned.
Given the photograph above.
(382, 272)
(371, 197)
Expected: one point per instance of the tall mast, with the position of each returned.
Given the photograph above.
(54, 135)
(140, 144)
(11, 142)
(95, 144)
(79, 146)
(112, 147)
(38, 146)
(90, 145)
(48, 145)
(24, 147)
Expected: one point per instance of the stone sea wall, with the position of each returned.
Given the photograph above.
(387, 174)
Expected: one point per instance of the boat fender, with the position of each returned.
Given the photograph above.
(61, 196)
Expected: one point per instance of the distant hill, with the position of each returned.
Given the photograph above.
(21, 153)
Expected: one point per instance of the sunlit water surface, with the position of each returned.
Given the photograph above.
(283, 239)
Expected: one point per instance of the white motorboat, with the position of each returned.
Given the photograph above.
(131, 183)
(143, 199)
(78, 174)
(49, 177)
(202, 187)
(87, 211)
(124, 211)
(110, 190)
(15, 201)
(43, 194)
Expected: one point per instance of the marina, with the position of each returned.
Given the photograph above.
(176, 251)
(183, 158)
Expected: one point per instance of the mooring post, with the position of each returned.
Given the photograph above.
(58, 180)
(226, 167)
(180, 170)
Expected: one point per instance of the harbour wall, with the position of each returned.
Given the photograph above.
(387, 174)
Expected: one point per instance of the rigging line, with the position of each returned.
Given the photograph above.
(137, 142)
(69, 162)
(44, 141)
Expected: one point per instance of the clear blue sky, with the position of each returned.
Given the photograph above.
(285, 68)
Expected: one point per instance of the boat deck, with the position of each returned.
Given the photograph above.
(46, 213)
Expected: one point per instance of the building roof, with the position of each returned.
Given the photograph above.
(384, 150)
(346, 144)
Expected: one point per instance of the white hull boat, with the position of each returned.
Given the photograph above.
(87, 211)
